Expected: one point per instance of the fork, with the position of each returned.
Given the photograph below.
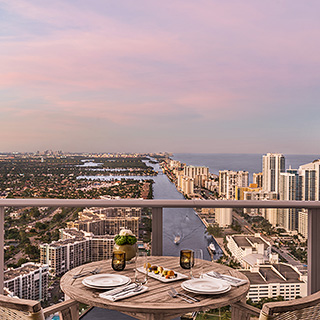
(79, 275)
(174, 291)
(172, 295)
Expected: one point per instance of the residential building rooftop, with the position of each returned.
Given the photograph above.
(277, 273)
(247, 241)
(23, 270)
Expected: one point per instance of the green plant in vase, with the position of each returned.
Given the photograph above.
(126, 241)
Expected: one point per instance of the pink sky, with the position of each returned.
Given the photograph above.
(179, 76)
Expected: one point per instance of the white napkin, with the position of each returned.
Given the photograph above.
(111, 294)
(228, 279)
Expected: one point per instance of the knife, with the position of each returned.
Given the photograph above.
(224, 277)
(123, 293)
(128, 288)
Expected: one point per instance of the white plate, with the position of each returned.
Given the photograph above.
(199, 292)
(159, 277)
(206, 286)
(103, 288)
(105, 281)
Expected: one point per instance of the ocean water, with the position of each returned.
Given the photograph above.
(246, 162)
(183, 222)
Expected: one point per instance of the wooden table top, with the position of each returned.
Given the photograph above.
(156, 302)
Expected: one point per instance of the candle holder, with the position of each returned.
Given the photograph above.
(186, 259)
(118, 260)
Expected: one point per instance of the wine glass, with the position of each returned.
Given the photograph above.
(196, 270)
(141, 269)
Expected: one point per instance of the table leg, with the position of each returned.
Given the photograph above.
(238, 313)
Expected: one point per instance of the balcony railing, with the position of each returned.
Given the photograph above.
(157, 221)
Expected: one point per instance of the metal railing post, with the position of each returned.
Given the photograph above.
(1, 249)
(157, 230)
(313, 250)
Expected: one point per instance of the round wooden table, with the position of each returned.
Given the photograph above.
(156, 302)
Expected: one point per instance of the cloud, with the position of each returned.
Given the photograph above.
(165, 66)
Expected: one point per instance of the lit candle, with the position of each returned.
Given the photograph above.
(118, 260)
(186, 259)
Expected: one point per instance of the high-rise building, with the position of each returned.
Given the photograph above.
(74, 249)
(103, 213)
(64, 255)
(289, 186)
(271, 214)
(193, 171)
(310, 181)
(258, 179)
(272, 165)
(212, 185)
(186, 185)
(229, 180)
(199, 173)
(289, 190)
(108, 220)
(257, 195)
(30, 281)
(303, 222)
(223, 217)
(241, 190)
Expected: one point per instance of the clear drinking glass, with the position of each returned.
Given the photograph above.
(196, 270)
(141, 268)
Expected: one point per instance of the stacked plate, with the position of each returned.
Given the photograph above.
(105, 281)
(206, 286)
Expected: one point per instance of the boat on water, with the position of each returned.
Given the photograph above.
(212, 248)
(177, 239)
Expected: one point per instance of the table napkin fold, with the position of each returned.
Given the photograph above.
(225, 279)
(109, 295)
